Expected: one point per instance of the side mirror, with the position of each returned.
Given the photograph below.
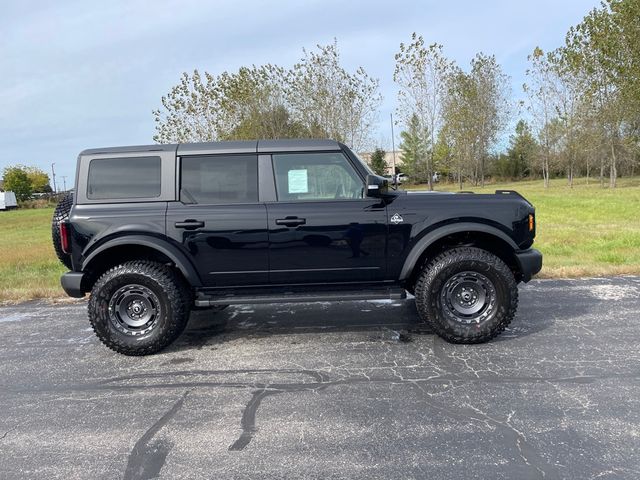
(377, 186)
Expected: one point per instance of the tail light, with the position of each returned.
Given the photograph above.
(65, 242)
(532, 222)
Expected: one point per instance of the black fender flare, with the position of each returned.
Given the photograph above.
(441, 232)
(180, 259)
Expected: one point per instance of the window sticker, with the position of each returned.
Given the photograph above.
(298, 181)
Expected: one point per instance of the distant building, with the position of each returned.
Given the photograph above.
(388, 157)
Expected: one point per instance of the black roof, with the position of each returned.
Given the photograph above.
(243, 146)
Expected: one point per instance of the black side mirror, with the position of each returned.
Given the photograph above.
(377, 186)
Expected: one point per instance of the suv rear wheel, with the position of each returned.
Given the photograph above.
(138, 308)
(466, 295)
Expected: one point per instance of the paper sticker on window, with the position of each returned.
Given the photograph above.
(298, 182)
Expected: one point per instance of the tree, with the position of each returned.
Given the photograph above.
(331, 102)
(16, 180)
(39, 180)
(378, 162)
(603, 53)
(540, 91)
(316, 98)
(475, 112)
(413, 151)
(490, 94)
(421, 74)
(521, 153)
(231, 106)
(459, 128)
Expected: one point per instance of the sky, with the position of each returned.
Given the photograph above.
(85, 74)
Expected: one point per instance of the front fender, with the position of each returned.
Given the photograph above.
(432, 237)
(179, 258)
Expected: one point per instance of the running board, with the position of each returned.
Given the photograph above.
(292, 297)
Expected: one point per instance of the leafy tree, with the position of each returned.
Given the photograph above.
(421, 74)
(521, 153)
(39, 179)
(378, 162)
(413, 151)
(316, 98)
(331, 102)
(16, 180)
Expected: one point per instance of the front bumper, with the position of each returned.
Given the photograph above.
(530, 262)
(72, 284)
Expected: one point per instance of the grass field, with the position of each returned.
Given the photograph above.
(28, 264)
(584, 231)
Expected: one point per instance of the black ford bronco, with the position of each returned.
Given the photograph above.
(156, 231)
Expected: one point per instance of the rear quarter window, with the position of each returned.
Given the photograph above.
(125, 177)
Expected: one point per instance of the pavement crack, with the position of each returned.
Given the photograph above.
(248, 421)
(148, 456)
(4, 435)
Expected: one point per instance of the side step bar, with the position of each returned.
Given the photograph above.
(291, 297)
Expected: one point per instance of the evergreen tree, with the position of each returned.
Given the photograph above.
(378, 163)
(413, 151)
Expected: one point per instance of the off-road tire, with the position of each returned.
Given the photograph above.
(434, 277)
(173, 306)
(61, 214)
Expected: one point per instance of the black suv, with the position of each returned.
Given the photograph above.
(155, 231)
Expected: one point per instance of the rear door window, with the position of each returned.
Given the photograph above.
(124, 177)
(219, 179)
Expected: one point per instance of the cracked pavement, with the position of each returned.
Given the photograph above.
(342, 390)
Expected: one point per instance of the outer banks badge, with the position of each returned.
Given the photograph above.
(396, 219)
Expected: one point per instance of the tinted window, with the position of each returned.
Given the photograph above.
(219, 179)
(129, 177)
(316, 176)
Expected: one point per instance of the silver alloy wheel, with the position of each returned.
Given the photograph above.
(468, 297)
(134, 309)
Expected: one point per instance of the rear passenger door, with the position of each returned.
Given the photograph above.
(219, 221)
(321, 228)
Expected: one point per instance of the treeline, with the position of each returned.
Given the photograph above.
(24, 181)
(316, 98)
(581, 116)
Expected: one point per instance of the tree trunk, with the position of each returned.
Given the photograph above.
(613, 172)
(601, 173)
(570, 176)
(587, 171)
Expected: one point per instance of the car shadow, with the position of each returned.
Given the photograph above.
(397, 319)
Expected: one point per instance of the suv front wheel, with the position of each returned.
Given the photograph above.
(466, 295)
(138, 308)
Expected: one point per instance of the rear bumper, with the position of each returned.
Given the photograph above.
(530, 262)
(72, 284)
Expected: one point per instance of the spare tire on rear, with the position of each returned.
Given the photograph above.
(61, 214)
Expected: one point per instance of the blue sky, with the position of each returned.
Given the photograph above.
(81, 74)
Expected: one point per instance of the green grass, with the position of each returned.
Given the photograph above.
(582, 231)
(585, 230)
(28, 264)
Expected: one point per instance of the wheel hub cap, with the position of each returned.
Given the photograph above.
(134, 309)
(468, 297)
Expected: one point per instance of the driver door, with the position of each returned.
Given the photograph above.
(321, 228)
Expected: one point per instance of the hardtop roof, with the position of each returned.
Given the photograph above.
(229, 147)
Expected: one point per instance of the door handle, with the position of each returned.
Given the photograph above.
(189, 224)
(291, 221)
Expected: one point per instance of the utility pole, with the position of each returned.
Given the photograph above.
(53, 172)
(393, 149)
(64, 182)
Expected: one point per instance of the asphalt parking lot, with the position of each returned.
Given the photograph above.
(344, 390)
